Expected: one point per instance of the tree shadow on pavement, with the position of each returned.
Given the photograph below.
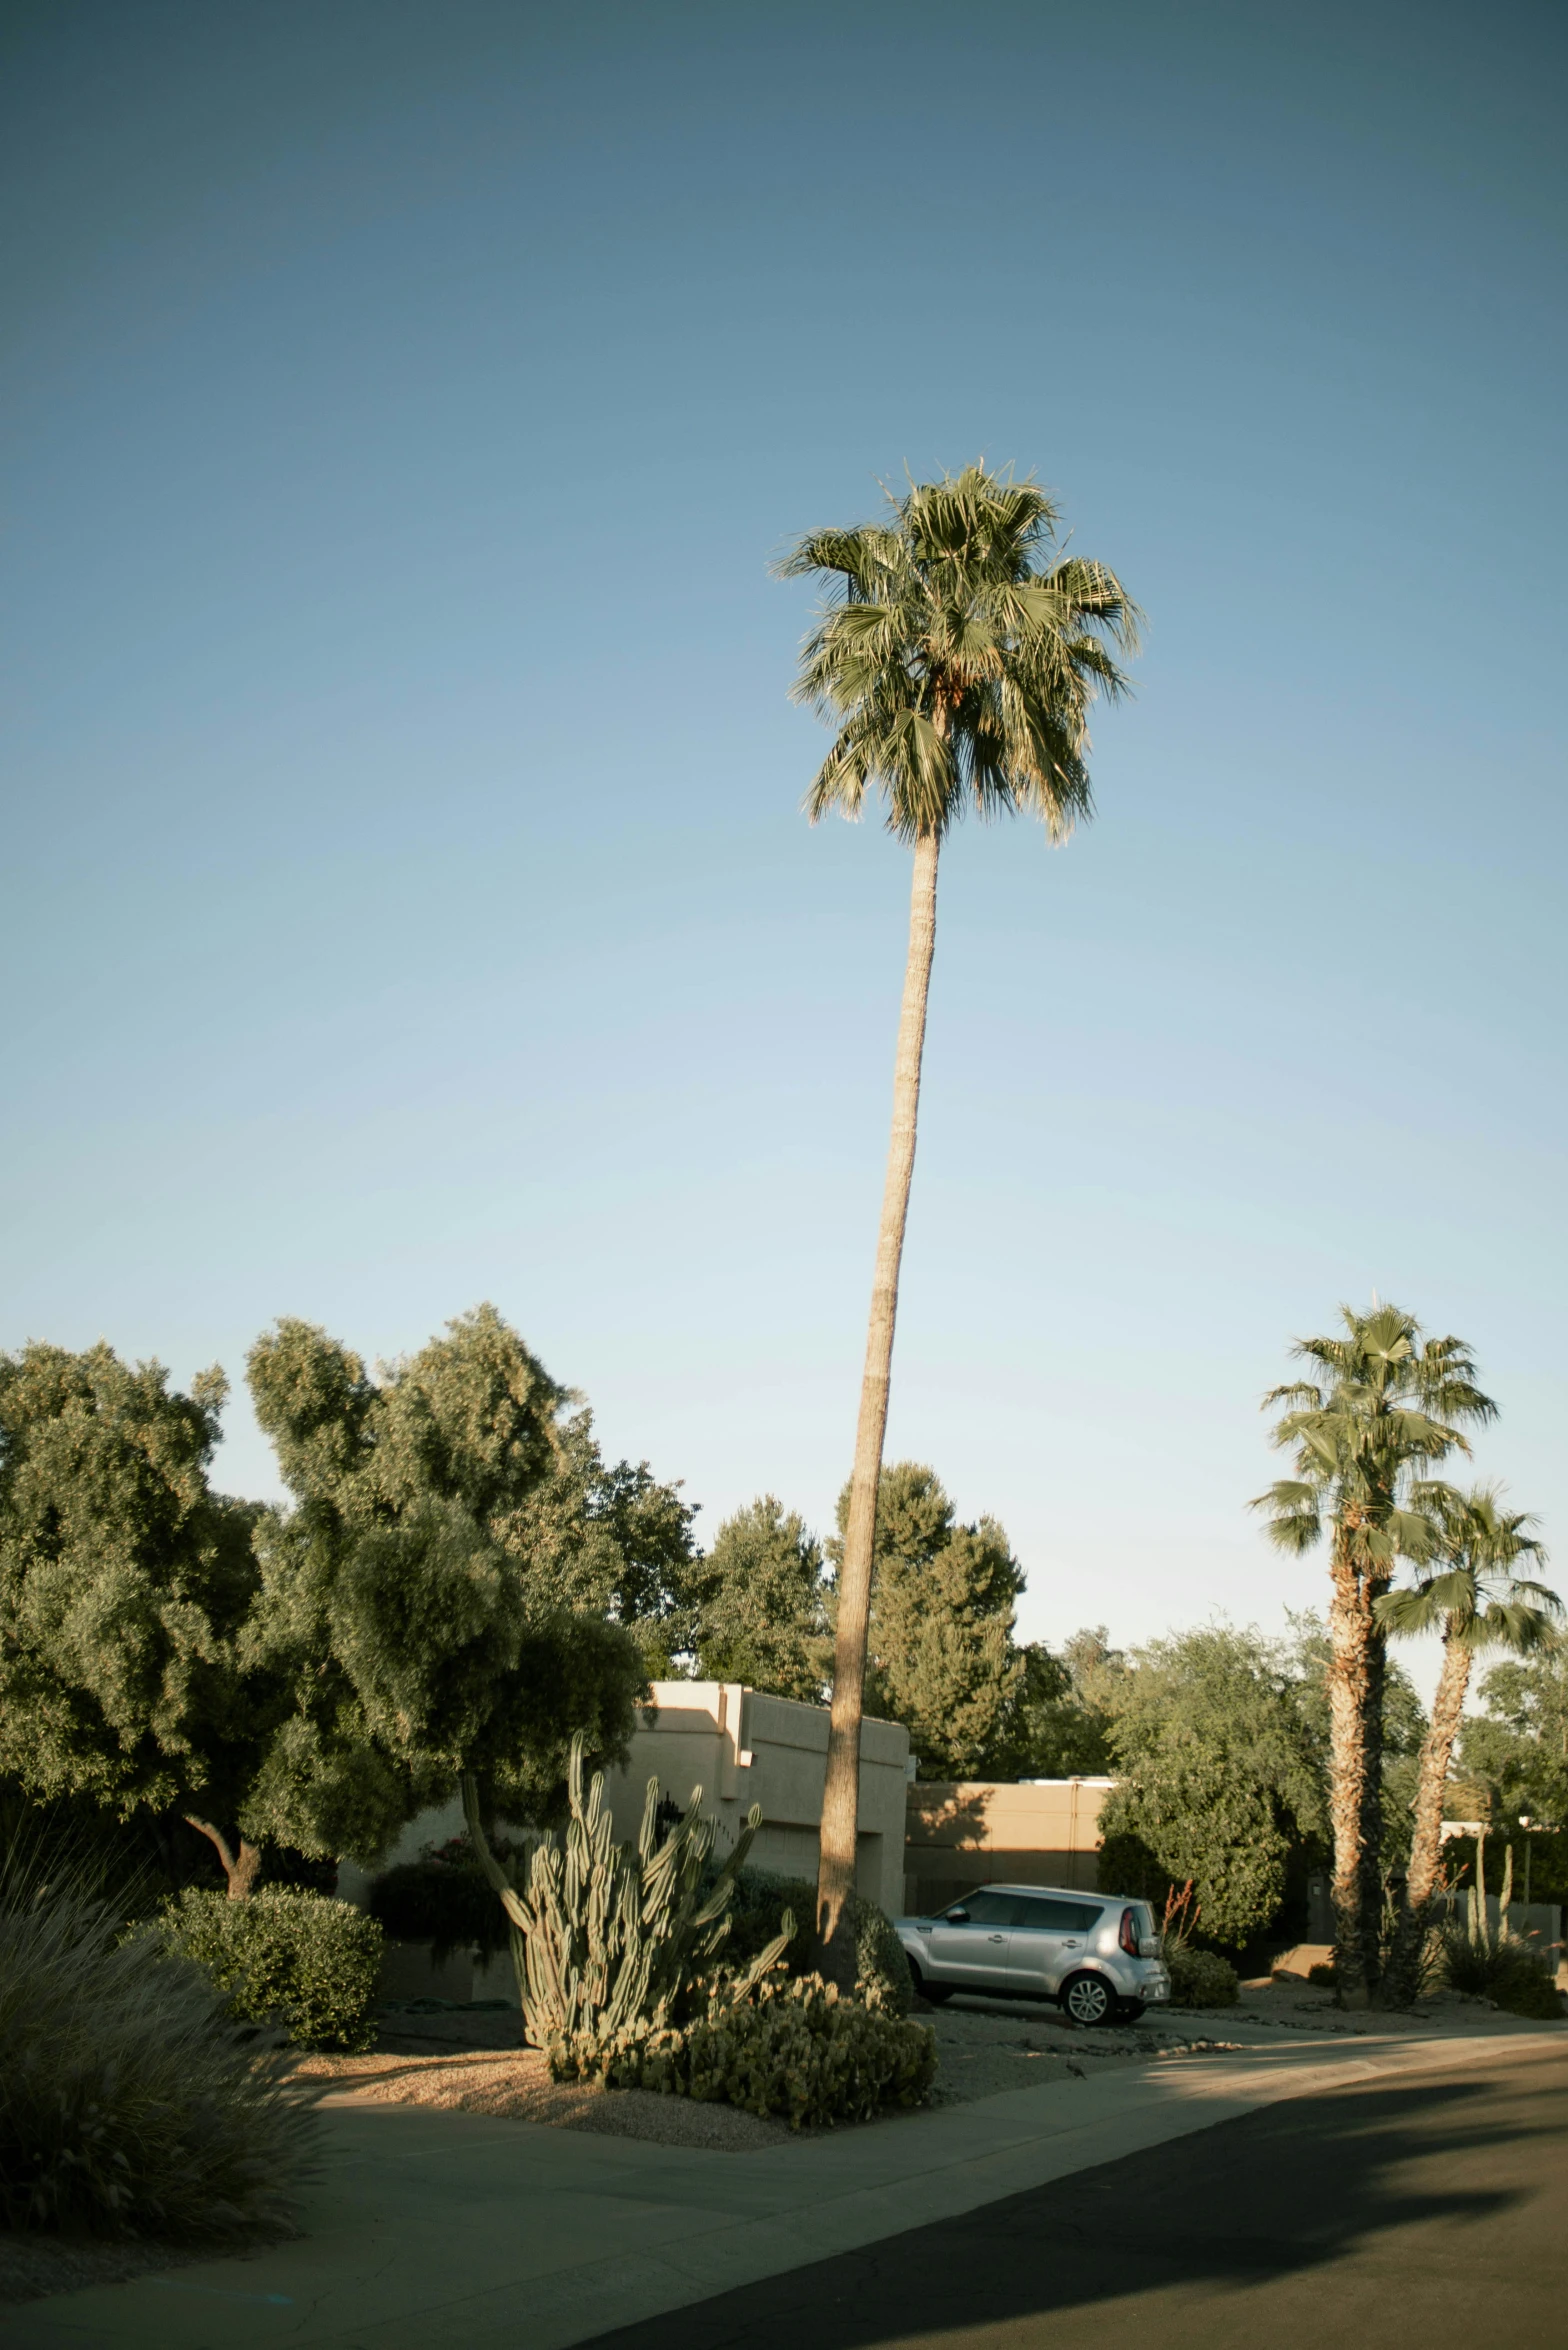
(1444, 2178)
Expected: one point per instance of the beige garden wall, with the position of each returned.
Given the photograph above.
(964, 1833)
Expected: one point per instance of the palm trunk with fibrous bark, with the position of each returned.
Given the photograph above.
(841, 1792)
(1355, 1802)
(241, 1866)
(1426, 1840)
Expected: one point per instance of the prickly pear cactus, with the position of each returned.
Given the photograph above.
(609, 1939)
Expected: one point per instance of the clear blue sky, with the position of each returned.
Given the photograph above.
(405, 896)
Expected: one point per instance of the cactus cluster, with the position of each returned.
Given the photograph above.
(1478, 1924)
(612, 1941)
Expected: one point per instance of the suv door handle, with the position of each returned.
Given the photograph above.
(1069, 1945)
(994, 1937)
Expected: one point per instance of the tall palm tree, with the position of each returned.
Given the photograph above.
(1389, 1408)
(956, 656)
(1470, 1592)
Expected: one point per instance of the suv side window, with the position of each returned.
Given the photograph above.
(1051, 1916)
(985, 1909)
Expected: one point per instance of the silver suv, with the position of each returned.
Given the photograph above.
(1098, 1954)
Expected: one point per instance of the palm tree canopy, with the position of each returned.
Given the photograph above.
(1391, 1406)
(957, 654)
(1472, 1594)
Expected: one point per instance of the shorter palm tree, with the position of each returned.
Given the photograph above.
(1386, 1407)
(1469, 1591)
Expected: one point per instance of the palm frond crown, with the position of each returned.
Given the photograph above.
(1470, 1589)
(1385, 1407)
(957, 655)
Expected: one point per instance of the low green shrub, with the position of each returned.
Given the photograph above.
(1324, 1974)
(129, 2103)
(882, 1976)
(443, 1898)
(1201, 1978)
(794, 2048)
(295, 1960)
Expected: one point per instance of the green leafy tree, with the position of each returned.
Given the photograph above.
(437, 1603)
(623, 1540)
(1218, 1775)
(1471, 1593)
(1520, 1743)
(1387, 1407)
(1058, 1724)
(761, 1615)
(942, 1659)
(956, 659)
(125, 1585)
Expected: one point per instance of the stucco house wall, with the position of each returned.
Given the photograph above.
(981, 1831)
(740, 1748)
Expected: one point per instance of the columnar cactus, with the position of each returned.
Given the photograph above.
(609, 1938)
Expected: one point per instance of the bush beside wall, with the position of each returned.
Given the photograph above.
(882, 1976)
(1201, 1978)
(294, 1960)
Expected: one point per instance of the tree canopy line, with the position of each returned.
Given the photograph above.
(459, 1581)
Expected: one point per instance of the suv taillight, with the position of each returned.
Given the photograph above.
(1127, 1935)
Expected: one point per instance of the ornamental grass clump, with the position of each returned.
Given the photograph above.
(130, 2105)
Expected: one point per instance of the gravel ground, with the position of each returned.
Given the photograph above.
(515, 2082)
(474, 2060)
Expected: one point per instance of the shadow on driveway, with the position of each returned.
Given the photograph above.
(1417, 2215)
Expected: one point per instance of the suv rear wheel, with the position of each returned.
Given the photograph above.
(1089, 1999)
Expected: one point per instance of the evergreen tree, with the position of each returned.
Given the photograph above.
(942, 1659)
(1057, 1726)
(1519, 1745)
(761, 1613)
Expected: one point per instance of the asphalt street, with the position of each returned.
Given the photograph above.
(1430, 2212)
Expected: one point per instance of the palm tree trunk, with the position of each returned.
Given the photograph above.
(1349, 1691)
(1372, 1589)
(1426, 1841)
(841, 1792)
(241, 1868)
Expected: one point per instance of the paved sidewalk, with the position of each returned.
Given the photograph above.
(438, 2231)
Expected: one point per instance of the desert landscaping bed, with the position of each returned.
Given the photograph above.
(473, 2060)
